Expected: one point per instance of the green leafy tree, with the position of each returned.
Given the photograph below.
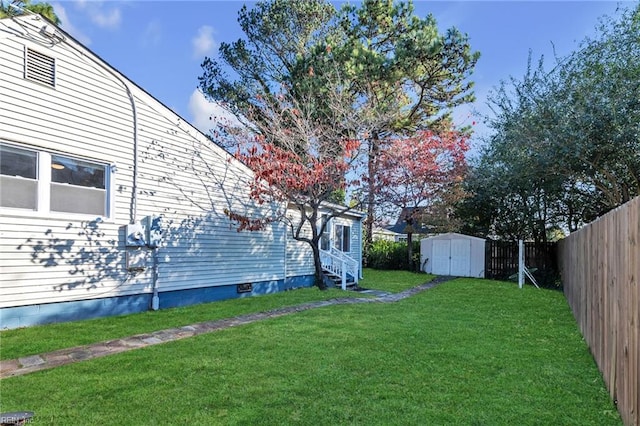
(395, 71)
(565, 146)
(17, 8)
(278, 36)
(293, 116)
(598, 110)
(400, 62)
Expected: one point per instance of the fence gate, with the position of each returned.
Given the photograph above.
(501, 261)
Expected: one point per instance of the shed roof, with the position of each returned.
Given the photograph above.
(452, 235)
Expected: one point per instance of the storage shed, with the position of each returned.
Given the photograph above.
(453, 254)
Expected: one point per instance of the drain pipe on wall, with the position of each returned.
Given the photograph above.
(134, 116)
(154, 228)
(133, 209)
(155, 299)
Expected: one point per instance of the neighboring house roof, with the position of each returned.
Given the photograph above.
(383, 231)
(418, 226)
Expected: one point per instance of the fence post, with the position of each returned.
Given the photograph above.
(344, 274)
(520, 263)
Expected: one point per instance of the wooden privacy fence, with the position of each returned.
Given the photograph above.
(501, 261)
(600, 268)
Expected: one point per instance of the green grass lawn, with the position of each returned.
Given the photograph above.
(392, 281)
(39, 339)
(45, 338)
(469, 352)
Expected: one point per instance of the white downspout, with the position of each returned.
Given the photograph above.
(361, 252)
(155, 299)
(134, 196)
(133, 211)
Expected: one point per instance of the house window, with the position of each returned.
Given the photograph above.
(77, 186)
(325, 237)
(46, 182)
(39, 67)
(18, 178)
(342, 240)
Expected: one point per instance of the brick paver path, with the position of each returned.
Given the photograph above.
(30, 364)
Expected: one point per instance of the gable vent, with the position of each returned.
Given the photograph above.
(40, 68)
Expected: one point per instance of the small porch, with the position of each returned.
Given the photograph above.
(339, 269)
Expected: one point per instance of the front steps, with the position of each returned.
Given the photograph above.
(333, 280)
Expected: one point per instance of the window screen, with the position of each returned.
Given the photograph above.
(77, 186)
(18, 173)
(343, 238)
(324, 238)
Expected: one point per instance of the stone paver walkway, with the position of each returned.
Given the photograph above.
(30, 364)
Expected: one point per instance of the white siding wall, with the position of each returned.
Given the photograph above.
(191, 181)
(299, 254)
(356, 235)
(58, 257)
(181, 175)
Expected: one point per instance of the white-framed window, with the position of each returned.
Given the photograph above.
(18, 178)
(325, 238)
(342, 237)
(51, 183)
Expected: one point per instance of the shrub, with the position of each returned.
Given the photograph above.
(392, 255)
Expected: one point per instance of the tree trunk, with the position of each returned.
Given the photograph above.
(371, 200)
(372, 172)
(410, 249)
(319, 278)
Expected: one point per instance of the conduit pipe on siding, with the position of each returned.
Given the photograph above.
(134, 195)
(133, 213)
(133, 210)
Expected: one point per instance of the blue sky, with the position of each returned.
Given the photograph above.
(160, 44)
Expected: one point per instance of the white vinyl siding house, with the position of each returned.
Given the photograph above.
(101, 158)
(347, 236)
(299, 258)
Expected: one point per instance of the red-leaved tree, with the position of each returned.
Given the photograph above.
(301, 148)
(418, 171)
(303, 183)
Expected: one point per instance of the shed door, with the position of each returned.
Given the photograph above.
(441, 253)
(461, 258)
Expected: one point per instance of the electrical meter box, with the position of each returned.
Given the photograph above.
(153, 224)
(138, 259)
(136, 235)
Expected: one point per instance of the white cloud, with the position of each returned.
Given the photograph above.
(80, 4)
(152, 34)
(68, 26)
(106, 19)
(203, 43)
(205, 114)
(97, 13)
